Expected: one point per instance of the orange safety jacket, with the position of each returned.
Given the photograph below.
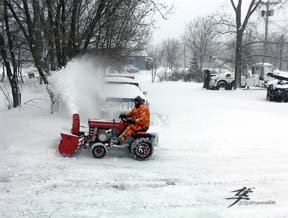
(141, 115)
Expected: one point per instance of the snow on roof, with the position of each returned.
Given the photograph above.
(118, 90)
(122, 86)
(121, 78)
(263, 64)
(281, 73)
(220, 70)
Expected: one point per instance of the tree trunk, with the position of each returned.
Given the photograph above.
(63, 32)
(12, 76)
(240, 28)
(201, 61)
(73, 30)
(34, 49)
(57, 38)
(3, 72)
(12, 81)
(88, 34)
(153, 73)
(238, 59)
(50, 34)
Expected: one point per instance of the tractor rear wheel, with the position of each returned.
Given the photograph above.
(141, 149)
(98, 150)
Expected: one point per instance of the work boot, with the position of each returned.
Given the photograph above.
(115, 141)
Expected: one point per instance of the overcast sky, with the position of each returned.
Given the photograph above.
(187, 10)
(184, 11)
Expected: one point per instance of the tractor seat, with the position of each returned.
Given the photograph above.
(142, 135)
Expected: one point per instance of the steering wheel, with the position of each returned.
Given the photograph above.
(127, 119)
(124, 119)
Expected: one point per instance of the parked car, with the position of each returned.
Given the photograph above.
(119, 93)
(278, 89)
(223, 81)
(257, 77)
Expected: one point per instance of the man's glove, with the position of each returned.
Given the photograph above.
(131, 120)
(121, 116)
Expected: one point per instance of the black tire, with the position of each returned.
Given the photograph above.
(231, 86)
(98, 150)
(268, 96)
(222, 84)
(141, 149)
(286, 96)
(129, 149)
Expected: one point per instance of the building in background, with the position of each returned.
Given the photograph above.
(140, 60)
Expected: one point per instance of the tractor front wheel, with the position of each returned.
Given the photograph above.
(141, 149)
(98, 150)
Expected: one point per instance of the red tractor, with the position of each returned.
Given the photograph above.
(141, 144)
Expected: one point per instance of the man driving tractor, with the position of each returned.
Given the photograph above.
(138, 119)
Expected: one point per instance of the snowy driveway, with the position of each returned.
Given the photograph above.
(213, 143)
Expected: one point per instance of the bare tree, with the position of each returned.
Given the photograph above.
(240, 28)
(171, 50)
(199, 37)
(156, 53)
(56, 31)
(12, 74)
(30, 32)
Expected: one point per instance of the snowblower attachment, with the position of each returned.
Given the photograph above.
(69, 142)
(68, 145)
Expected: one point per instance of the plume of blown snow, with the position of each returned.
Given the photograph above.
(79, 86)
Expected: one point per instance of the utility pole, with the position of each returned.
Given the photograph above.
(267, 13)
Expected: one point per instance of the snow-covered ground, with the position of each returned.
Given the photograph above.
(211, 143)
